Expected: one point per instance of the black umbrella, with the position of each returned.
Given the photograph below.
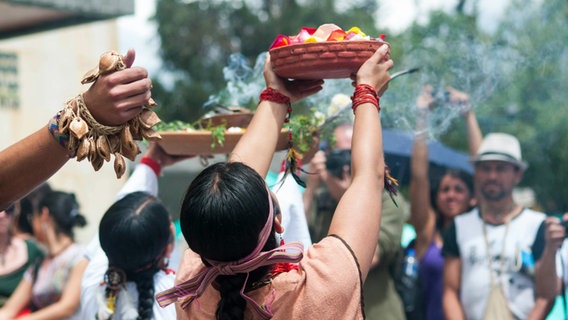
(397, 146)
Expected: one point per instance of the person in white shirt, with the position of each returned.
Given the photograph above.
(136, 235)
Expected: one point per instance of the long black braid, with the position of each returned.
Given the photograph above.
(145, 285)
(134, 233)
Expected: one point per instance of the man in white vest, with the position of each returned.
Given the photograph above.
(495, 261)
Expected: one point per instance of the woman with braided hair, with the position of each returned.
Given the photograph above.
(234, 268)
(136, 236)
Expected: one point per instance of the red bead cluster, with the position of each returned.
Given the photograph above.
(365, 93)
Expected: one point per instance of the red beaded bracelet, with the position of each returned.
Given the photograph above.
(365, 93)
(274, 95)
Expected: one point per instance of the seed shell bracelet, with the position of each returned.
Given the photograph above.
(75, 128)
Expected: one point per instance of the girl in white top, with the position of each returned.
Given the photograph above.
(136, 236)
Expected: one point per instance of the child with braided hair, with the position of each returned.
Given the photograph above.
(128, 260)
(136, 236)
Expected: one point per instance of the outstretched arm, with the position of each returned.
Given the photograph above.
(258, 144)
(358, 214)
(113, 99)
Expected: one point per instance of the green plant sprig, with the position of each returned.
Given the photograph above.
(217, 132)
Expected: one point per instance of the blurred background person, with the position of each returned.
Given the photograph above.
(51, 288)
(25, 208)
(432, 208)
(16, 254)
(289, 196)
(496, 262)
(328, 179)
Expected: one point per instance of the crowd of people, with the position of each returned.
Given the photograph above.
(259, 251)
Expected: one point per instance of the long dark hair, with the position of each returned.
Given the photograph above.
(223, 212)
(28, 205)
(134, 233)
(64, 209)
(461, 175)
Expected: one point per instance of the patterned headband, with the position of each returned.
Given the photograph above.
(193, 288)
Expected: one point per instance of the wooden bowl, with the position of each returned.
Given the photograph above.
(199, 142)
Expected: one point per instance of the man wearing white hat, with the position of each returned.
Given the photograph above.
(497, 262)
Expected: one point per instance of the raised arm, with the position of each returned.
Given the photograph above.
(113, 99)
(358, 214)
(474, 135)
(422, 215)
(258, 144)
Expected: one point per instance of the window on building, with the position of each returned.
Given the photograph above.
(9, 98)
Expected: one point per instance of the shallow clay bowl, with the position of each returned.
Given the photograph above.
(322, 60)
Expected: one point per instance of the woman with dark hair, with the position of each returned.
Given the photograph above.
(25, 208)
(234, 268)
(51, 288)
(16, 253)
(433, 208)
(136, 236)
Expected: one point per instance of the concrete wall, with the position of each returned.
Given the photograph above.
(50, 66)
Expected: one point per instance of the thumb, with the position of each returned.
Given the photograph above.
(129, 58)
(380, 54)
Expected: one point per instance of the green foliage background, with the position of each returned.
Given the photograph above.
(516, 76)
